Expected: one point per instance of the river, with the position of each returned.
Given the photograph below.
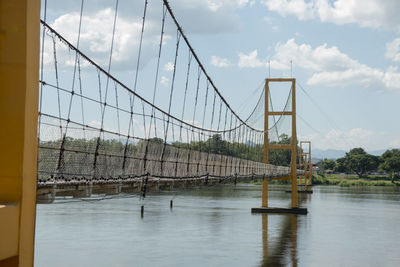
(214, 227)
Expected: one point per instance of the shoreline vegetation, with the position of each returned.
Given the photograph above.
(342, 180)
(353, 180)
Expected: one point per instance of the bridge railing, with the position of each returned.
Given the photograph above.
(93, 127)
(114, 162)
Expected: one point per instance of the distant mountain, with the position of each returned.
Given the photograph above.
(320, 154)
(377, 152)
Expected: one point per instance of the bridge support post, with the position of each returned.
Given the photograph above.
(19, 72)
(293, 164)
(265, 194)
(307, 167)
(292, 147)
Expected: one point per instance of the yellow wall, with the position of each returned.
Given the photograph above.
(19, 72)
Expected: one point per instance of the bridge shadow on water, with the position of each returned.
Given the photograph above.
(283, 250)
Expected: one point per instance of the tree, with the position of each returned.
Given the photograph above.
(390, 162)
(327, 164)
(156, 140)
(341, 165)
(281, 157)
(357, 151)
(216, 145)
(358, 161)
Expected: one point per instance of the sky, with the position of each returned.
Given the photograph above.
(344, 55)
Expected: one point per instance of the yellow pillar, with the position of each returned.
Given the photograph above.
(293, 165)
(292, 147)
(307, 165)
(302, 164)
(264, 202)
(19, 72)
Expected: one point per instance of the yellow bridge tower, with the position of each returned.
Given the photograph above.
(292, 147)
(306, 166)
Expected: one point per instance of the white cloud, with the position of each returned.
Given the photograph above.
(214, 6)
(357, 137)
(250, 60)
(294, 7)
(164, 81)
(169, 66)
(366, 13)
(96, 36)
(320, 58)
(196, 16)
(391, 78)
(209, 17)
(393, 50)
(328, 65)
(364, 76)
(220, 62)
(243, 3)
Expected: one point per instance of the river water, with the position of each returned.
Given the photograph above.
(214, 227)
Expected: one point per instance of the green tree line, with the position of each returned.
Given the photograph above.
(216, 145)
(358, 161)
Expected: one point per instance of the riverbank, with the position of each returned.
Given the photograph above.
(343, 180)
(352, 180)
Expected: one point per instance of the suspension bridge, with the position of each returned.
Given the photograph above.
(93, 132)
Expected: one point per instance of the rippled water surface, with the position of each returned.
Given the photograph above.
(214, 227)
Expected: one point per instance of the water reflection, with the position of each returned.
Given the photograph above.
(282, 252)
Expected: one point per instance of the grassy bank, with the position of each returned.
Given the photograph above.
(352, 180)
(343, 180)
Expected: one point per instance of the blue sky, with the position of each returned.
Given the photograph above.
(345, 54)
(362, 110)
